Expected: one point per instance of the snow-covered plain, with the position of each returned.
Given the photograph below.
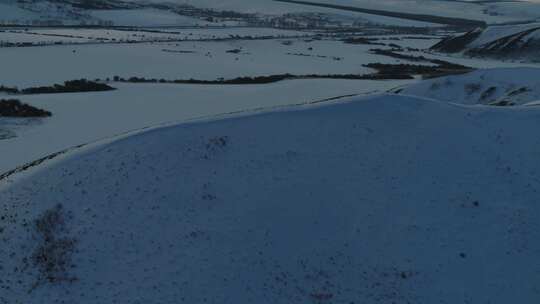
(199, 58)
(384, 199)
(137, 106)
(207, 60)
(85, 117)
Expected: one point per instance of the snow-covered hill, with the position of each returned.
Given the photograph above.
(506, 42)
(387, 199)
(504, 87)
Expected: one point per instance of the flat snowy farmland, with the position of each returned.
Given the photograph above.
(183, 60)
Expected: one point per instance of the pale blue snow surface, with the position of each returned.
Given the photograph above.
(386, 199)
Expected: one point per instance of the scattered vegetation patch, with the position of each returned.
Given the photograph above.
(215, 145)
(52, 258)
(15, 108)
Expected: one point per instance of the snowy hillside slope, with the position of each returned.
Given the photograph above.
(386, 199)
(494, 33)
(500, 86)
(506, 42)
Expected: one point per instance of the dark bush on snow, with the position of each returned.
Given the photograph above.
(15, 108)
(53, 256)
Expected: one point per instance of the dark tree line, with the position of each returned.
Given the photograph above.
(73, 86)
(263, 79)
